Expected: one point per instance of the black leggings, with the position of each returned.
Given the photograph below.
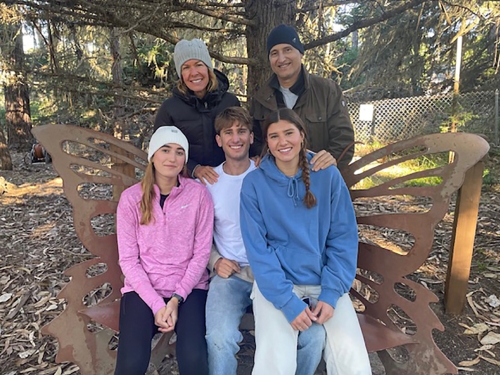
(137, 328)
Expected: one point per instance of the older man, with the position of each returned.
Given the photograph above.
(318, 101)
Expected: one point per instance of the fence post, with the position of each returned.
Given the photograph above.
(495, 129)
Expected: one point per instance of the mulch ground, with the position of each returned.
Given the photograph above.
(38, 242)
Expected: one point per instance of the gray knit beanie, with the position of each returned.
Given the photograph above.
(191, 49)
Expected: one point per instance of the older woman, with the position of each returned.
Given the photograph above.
(200, 95)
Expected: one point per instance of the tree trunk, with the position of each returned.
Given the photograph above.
(54, 63)
(119, 130)
(5, 159)
(17, 101)
(267, 14)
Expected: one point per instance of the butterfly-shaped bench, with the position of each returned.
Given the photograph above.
(388, 300)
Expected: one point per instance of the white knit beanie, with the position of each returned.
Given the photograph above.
(191, 49)
(164, 135)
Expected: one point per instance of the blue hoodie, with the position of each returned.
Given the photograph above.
(289, 244)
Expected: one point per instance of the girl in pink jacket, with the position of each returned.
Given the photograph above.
(164, 230)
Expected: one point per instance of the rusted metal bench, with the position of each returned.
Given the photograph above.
(383, 286)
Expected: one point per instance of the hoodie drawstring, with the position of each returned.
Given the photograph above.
(293, 190)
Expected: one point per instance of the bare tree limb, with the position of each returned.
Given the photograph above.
(219, 15)
(365, 23)
(326, 4)
(233, 60)
(221, 5)
(192, 26)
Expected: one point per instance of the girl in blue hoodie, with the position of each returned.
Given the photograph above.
(301, 237)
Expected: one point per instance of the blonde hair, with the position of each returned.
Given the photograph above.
(212, 85)
(148, 192)
(290, 116)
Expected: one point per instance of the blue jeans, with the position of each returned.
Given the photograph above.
(227, 302)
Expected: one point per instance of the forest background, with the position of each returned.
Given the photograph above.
(108, 64)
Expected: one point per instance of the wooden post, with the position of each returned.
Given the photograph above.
(462, 243)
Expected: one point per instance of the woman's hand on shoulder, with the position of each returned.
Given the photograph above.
(304, 320)
(205, 174)
(166, 317)
(323, 311)
(322, 160)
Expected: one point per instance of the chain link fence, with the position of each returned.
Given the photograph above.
(392, 120)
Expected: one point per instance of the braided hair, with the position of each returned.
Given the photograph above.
(290, 116)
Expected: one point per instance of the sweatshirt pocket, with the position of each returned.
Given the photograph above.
(300, 266)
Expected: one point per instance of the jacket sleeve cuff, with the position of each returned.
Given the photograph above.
(194, 169)
(214, 257)
(182, 292)
(157, 304)
(330, 296)
(293, 308)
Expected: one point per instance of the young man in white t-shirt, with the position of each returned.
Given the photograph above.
(231, 285)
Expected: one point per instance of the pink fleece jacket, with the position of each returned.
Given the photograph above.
(170, 254)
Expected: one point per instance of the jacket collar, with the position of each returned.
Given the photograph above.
(175, 190)
(271, 90)
(297, 88)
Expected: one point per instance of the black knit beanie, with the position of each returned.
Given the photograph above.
(284, 34)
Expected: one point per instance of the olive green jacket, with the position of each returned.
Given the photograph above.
(322, 107)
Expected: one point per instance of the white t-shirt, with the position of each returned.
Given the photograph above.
(289, 97)
(227, 232)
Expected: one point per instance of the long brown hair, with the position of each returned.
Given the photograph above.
(290, 116)
(148, 192)
(211, 86)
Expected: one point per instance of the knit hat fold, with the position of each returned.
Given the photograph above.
(191, 49)
(284, 34)
(164, 135)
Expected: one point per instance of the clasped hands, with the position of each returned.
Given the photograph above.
(319, 314)
(166, 317)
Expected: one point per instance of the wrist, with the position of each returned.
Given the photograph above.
(194, 170)
(216, 263)
(177, 298)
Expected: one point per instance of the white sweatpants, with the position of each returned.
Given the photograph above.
(276, 341)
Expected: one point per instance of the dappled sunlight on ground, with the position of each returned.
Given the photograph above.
(15, 194)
